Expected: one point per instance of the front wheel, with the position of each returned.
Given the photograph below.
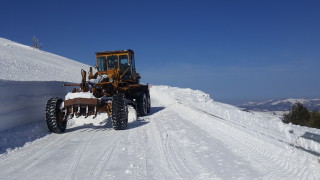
(55, 119)
(119, 112)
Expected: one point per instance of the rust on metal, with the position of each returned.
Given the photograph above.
(81, 101)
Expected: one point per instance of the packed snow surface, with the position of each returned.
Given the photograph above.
(187, 135)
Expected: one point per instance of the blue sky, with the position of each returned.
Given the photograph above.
(237, 51)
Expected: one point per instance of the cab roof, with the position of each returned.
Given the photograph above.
(115, 52)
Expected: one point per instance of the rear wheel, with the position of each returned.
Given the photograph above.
(142, 105)
(119, 112)
(149, 104)
(54, 116)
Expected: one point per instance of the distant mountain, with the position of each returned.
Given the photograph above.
(281, 105)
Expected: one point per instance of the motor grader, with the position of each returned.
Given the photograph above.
(113, 86)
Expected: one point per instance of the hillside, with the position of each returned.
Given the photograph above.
(23, 63)
(187, 135)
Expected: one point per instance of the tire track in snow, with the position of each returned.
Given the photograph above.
(105, 158)
(28, 149)
(161, 162)
(262, 156)
(180, 147)
(172, 161)
(79, 156)
(134, 147)
(175, 158)
(45, 153)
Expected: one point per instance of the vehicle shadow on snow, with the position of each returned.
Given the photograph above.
(137, 123)
(141, 121)
(155, 110)
(19, 136)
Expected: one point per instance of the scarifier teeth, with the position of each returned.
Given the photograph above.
(78, 109)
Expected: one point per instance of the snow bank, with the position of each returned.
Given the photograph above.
(28, 78)
(24, 102)
(261, 126)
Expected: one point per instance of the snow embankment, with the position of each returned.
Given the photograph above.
(264, 127)
(29, 77)
(23, 102)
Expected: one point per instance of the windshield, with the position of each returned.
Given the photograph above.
(112, 62)
(123, 63)
(102, 64)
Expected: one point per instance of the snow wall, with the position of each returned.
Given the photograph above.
(24, 102)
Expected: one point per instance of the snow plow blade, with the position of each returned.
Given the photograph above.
(81, 106)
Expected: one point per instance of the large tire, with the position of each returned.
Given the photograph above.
(142, 105)
(119, 112)
(54, 116)
(149, 104)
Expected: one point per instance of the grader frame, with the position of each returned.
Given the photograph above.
(113, 87)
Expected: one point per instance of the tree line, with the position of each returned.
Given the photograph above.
(300, 115)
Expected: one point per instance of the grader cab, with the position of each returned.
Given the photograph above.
(113, 87)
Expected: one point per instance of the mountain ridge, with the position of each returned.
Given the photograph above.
(281, 104)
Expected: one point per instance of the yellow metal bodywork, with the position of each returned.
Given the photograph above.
(115, 73)
(106, 72)
(113, 83)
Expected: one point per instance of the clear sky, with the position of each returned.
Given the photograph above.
(235, 50)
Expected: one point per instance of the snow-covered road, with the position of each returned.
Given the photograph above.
(176, 141)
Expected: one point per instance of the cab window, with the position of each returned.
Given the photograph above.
(101, 63)
(125, 66)
(112, 62)
(124, 63)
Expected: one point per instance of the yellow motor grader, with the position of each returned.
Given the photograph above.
(113, 87)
